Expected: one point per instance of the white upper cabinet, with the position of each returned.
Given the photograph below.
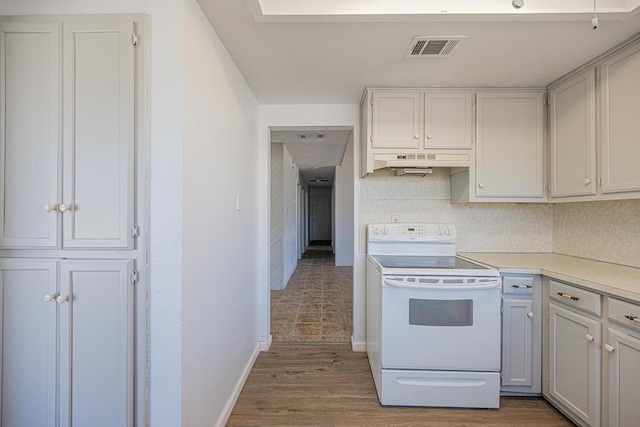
(572, 132)
(98, 135)
(396, 119)
(620, 109)
(510, 146)
(29, 133)
(448, 119)
(93, 194)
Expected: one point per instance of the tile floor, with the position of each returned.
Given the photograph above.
(316, 305)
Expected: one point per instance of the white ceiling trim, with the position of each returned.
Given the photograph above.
(435, 10)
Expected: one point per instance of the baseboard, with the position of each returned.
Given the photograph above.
(359, 346)
(228, 408)
(266, 345)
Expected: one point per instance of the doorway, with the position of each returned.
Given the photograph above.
(308, 168)
(320, 221)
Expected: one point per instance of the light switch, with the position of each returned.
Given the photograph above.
(238, 202)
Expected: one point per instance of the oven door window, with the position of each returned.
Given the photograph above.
(431, 312)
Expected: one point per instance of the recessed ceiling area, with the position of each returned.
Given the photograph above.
(316, 151)
(325, 57)
(384, 10)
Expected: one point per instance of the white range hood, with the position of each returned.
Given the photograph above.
(427, 160)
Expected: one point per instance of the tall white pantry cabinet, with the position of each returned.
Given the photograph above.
(68, 248)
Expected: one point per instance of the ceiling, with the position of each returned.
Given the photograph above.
(316, 151)
(328, 51)
(314, 57)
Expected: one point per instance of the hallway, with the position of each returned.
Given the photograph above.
(317, 304)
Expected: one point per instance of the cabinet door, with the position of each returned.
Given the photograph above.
(510, 145)
(98, 135)
(574, 363)
(96, 343)
(397, 119)
(29, 134)
(28, 346)
(573, 136)
(448, 119)
(620, 97)
(624, 378)
(517, 340)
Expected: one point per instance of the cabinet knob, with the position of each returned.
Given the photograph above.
(50, 297)
(609, 348)
(416, 136)
(530, 314)
(50, 208)
(429, 136)
(64, 208)
(587, 181)
(481, 185)
(62, 299)
(587, 336)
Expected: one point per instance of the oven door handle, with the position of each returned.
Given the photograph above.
(448, 286)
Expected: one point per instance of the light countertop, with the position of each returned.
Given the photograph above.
(612, 279)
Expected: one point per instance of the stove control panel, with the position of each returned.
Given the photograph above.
(392, 232)
(413, 231)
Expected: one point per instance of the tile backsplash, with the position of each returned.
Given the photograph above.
(605, 231)
(482, 227)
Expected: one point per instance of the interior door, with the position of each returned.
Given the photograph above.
(321, 215)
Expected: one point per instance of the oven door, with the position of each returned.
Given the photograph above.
(455, 327)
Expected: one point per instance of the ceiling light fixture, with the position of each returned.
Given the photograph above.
(517, 4)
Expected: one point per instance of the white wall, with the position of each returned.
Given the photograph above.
(276, 226)
(220, 280)
(290, 175)
(49, 7)
(343, 207)
(272, 117)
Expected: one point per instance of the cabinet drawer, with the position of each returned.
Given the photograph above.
(517, 285)
(575, 297)
(624, 313)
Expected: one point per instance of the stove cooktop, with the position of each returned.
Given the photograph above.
(430, 262)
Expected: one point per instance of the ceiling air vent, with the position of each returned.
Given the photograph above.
(433, 47)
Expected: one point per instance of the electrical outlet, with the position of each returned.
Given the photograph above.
(395, 218)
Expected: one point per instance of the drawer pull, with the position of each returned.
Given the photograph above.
(567, 296)
(521, 286)
(633, 318)
(609, 348)
(589, 337)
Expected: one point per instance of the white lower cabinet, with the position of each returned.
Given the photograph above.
(521, 335)
(67, 342)
(574, 363)
(624, 378)
(621, 359)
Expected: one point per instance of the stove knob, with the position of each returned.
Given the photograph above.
(385, 231)
(374, 231)
(439, 232)
(448, 232)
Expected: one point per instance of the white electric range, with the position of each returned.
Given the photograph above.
(433, 319)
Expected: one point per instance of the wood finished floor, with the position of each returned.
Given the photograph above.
(317, 303)
(318, 384)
